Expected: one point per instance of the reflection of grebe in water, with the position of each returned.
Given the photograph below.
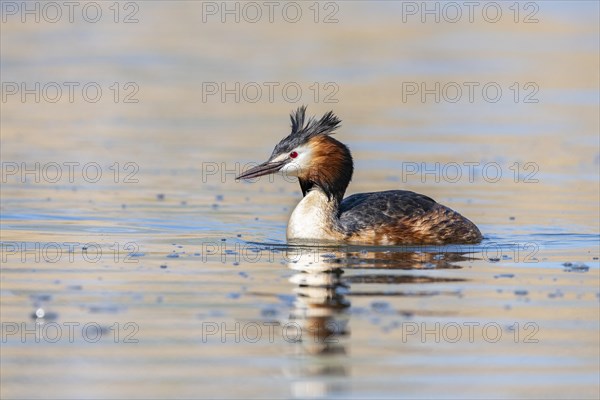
(324, 169)
(320, 305)
(321, 309)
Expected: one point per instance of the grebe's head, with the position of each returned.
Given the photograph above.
(311, 154)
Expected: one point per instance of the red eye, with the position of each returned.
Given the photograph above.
(293, 154)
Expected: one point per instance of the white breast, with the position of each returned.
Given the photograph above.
(311, 219)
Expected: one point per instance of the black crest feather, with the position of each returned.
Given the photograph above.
(324, 126)
(303, 130)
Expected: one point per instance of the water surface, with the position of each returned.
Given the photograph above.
(183, 275)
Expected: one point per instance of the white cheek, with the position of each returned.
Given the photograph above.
(291, 169)
(299, 164)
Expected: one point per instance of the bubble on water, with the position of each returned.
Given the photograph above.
(173, 255)
(233, 295)
(41, 314)
(160, 196)
(494, 259)
(219, 197)
(163, 266)
(521, 292)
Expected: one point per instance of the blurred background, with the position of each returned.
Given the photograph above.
(123, 125)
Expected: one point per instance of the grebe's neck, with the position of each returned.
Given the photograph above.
(323, 185)
(316, 217)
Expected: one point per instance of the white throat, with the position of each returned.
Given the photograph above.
(313, 218)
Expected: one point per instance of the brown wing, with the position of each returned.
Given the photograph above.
(403, 217)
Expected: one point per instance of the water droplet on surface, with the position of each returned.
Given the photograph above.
(380, 306)
(268, 312)
(575, 267)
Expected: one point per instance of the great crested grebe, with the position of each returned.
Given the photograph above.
(324, 168)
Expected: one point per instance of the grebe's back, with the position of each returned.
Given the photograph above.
(397, 217)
